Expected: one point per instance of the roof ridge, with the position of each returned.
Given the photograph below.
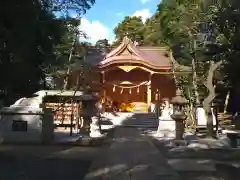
(153, 48)
(141, 53)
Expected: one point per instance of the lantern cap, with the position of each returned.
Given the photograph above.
(179, 99)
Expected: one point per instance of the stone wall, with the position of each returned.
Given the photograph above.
(26, 125)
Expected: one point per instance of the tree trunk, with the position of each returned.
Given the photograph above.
(208, 100)
(191, 110)
(226, 102)
(195, 82)
(66, 79)
(76, 89)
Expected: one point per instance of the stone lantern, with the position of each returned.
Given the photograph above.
(178, 115)
(91, 125)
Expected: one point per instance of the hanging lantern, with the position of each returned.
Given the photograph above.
(121, 91)
(138, 90)
(114, 88)
(130, 91)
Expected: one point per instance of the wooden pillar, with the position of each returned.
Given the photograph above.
(104, 90)
(149, 91)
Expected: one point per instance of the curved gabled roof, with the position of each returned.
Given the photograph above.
(152, 57)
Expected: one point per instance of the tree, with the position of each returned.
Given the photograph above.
(29, 36)
(102, 44)
(132, 27)
(79, 6)
(176, 25)
(185, 27)
(225, 48)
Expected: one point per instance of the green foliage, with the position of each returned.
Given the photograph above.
(133, 27)
(203, 31)
(227, 23)
(31, 38)
(103, 45)
(64, 6)
(197, 32)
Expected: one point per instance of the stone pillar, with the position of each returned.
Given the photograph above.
(47, 134)
(86, 115)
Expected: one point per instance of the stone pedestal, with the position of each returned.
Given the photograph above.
(85, 127)
(95, 131)
(179, 129)
(166, 129)
(166, 126)
(179, 118)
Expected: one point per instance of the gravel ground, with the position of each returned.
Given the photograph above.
(200, 164)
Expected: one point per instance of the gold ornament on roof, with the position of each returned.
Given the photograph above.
(127, 68)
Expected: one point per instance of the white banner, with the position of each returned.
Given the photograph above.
(202, 118)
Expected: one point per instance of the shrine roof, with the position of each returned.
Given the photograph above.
(156, 55)
(128, 53)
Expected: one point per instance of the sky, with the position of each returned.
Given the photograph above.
(103, 17)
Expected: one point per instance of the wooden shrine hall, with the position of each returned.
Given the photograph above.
(132, 74)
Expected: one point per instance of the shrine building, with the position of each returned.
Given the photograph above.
(133, 74)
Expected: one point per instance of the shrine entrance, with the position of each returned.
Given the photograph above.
(131, 75)
(126, 88)
(135, 90)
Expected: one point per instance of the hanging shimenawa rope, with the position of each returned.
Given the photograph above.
(129, 87)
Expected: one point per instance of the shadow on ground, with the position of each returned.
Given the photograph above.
(129, 157)
(44, 162)
(200, 163)
(47, 162)
(16, 168)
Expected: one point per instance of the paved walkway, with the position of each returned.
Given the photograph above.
(130, 157)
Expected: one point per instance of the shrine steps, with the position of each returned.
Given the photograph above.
(142, 120)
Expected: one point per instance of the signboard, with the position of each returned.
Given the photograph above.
(19, 125)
